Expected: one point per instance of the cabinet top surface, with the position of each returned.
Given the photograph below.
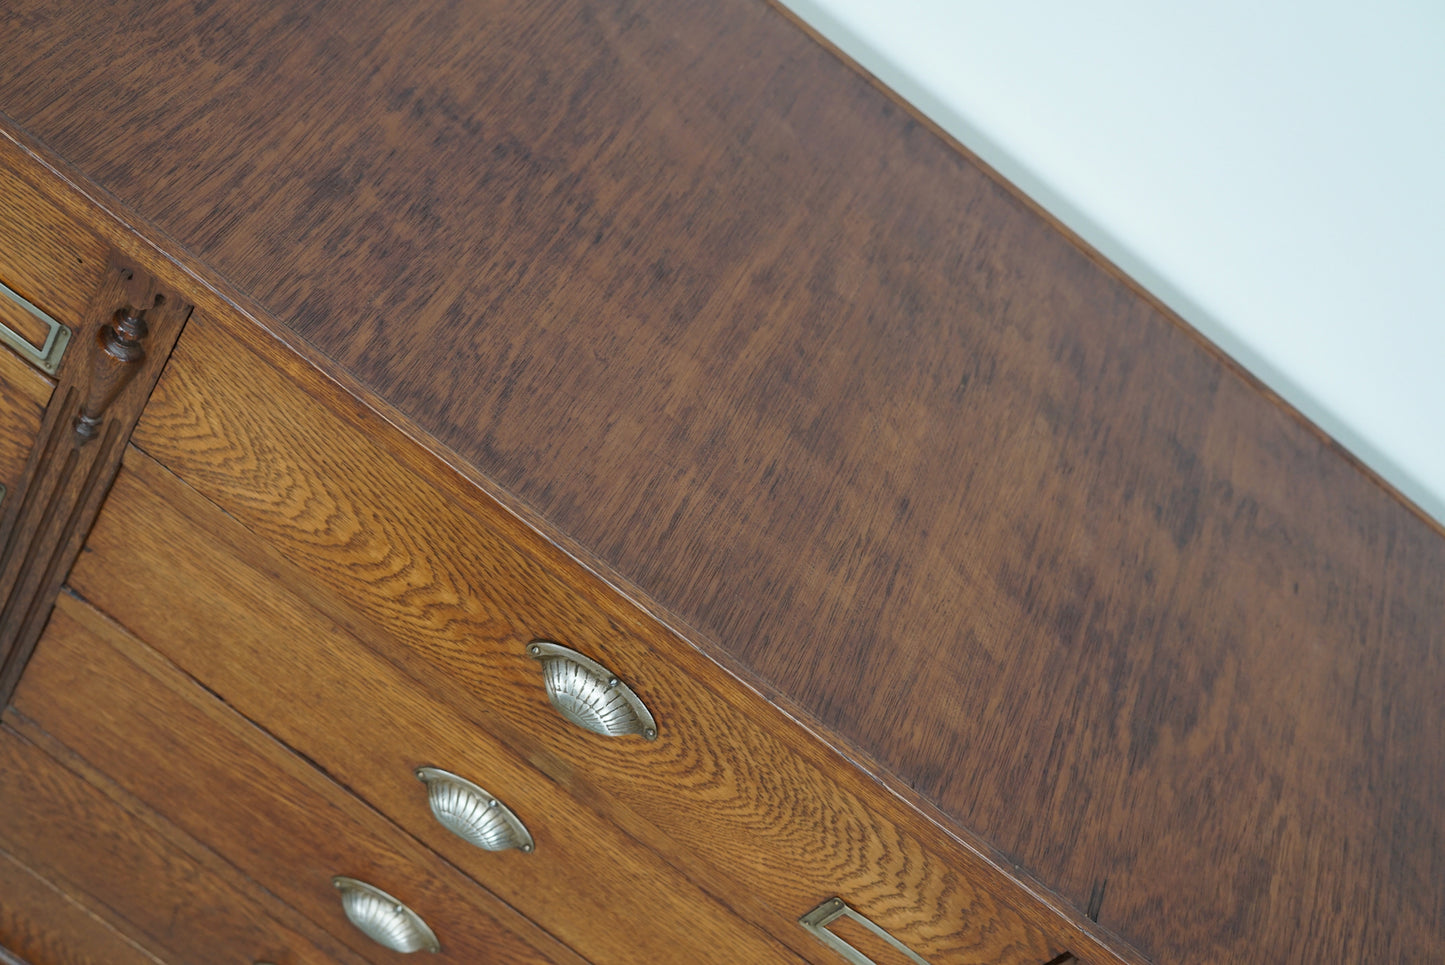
(811, 380)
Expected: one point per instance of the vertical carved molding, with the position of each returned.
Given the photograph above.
(113, 363)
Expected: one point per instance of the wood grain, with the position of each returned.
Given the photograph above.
(44, 926)
(46, 255)
(197, 763)
(452, 592)
(24, 382)
(31, 330)
(818, 386)
(67, 830)
(23, 395)
(174, 570)
(116, 354)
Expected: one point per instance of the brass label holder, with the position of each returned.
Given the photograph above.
(17, 314)
(816, 923)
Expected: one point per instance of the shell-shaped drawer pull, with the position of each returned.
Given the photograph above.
(589, 695)
(383, 919)
(472, 814)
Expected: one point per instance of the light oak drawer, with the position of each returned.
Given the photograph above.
(433, 575)
(220, 604)
(177, 749)
(161, 892)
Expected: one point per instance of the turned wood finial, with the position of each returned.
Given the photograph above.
(122, 350)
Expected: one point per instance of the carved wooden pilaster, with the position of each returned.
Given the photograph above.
(113, 362)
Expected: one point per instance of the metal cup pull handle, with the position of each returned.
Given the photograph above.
(589, 695)
(472, 814)
(383, 919)
(816, 923)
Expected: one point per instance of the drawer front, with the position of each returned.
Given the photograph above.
(172, 745)
(219, 603)
(24, 393)
(49, 266)
(437, 578)
(44, 278)
(42, 925)
(46, 256)
(70, 846)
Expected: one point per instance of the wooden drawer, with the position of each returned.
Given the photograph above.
(434, 576)
(47, 256)
(164, 739)
(74, 849)
(44, 264)
(43, 925)
(228, 611)
(24, 393)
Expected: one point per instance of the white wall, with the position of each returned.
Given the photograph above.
(1273, 171)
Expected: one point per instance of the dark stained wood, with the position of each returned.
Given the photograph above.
(43, 257)
(928, 913)
(120, 353)
(453, 592)
(75, 836)
(178, 749)
(23, 395)
(47, 255)
(174, 570)
(815, 384)
(114, 358)
(44, 926)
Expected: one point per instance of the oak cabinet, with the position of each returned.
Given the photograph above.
(961, 583)
(286, 609)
